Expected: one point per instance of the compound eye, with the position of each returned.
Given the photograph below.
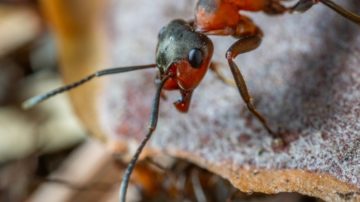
(195, 57)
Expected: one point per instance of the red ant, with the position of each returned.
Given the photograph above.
(183, 55)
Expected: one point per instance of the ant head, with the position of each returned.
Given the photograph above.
(184, 52)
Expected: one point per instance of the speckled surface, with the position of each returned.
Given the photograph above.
(305, 78)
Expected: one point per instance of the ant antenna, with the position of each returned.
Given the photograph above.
(40, 98)
(152, 127)
(345, 13)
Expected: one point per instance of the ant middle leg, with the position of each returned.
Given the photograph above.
(215, 67)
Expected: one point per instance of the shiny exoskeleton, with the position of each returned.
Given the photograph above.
(184, 52)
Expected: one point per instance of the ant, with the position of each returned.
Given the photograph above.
(184, 52)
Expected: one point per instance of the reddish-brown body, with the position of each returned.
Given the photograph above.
(219, 14)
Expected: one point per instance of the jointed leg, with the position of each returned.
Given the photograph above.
(249, 39)
(275, 7)
(215, 68)
(243, 45)
(304, 5)
(342, 11)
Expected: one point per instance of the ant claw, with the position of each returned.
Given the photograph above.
(278, 144)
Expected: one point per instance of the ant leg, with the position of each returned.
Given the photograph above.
(304, 5)
(215, 68)
(274, 7)
(342, 11)
(152, 127)
(244, 45)
(249, 39)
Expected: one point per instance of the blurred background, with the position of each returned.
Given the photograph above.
(45, 152)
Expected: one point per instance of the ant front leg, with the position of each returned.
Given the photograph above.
(244, 45)
(249, 39)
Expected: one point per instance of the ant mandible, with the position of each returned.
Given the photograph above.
(184, 52)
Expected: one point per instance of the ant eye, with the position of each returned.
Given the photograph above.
(195, 57)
